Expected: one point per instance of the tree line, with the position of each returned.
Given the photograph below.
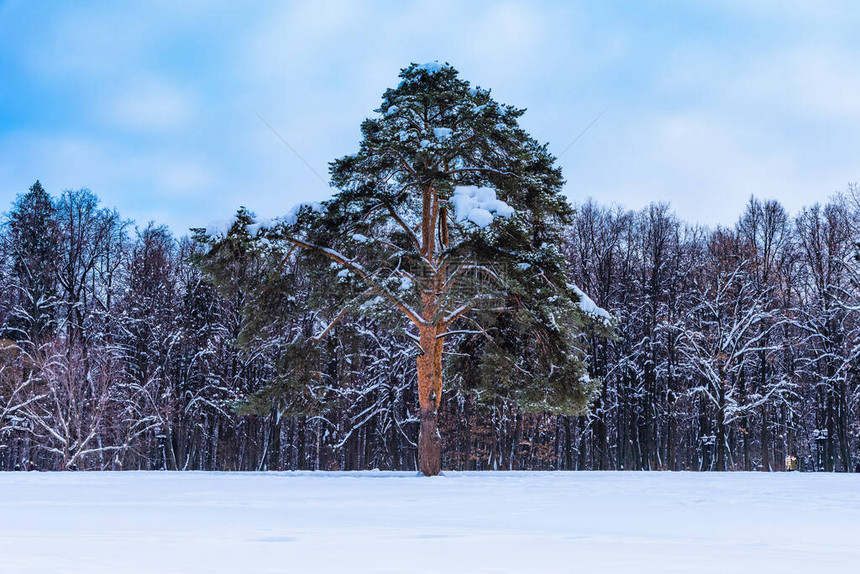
(733, 348)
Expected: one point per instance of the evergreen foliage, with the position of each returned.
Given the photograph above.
(394, 245)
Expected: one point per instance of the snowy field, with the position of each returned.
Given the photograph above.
(241, 523)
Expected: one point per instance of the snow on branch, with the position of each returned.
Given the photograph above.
(590, 308)
(479, 205)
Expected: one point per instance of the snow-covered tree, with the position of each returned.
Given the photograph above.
(16, 390)
(31, 245)
(825, 317)
(449, 218)
(765, 233)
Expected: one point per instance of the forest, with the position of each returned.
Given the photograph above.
(733, 347)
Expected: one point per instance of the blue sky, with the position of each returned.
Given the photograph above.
(153, 105)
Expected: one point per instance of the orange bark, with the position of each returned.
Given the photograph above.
(429, 398)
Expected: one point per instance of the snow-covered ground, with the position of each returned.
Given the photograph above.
(399, 522)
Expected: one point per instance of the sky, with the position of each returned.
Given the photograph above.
(156, 106)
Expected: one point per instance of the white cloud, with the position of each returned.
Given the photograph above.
(809, 82)
(143, 185)
(184, 177)
(799, 12)
(706, 163)
(151, 105)
(505, 38)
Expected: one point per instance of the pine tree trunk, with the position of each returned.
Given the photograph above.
(429, 398)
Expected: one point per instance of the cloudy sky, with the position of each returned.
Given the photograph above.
(153, 105)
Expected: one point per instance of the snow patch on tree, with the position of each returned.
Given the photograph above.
(221, 227)
(590, 308)
(478, 205)
(260, 224)
(433, 67)
(442, 134)
(293, 214)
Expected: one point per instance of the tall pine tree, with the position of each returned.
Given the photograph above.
(447, 220)
(32, 245)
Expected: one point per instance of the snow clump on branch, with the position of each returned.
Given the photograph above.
(432, 67)
(220, 228)
(590, 308)
(478, 205)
